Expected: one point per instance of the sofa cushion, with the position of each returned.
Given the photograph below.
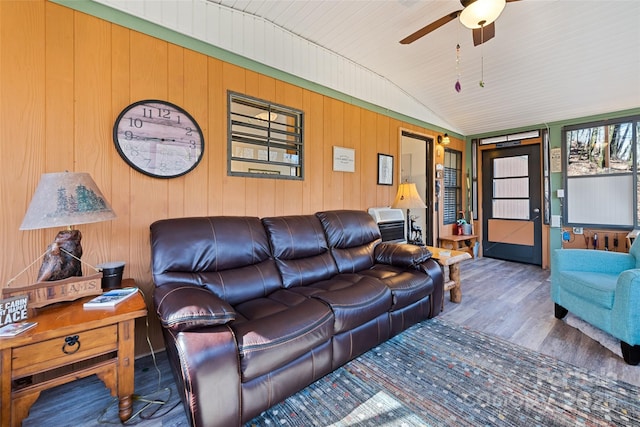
(407, 285)
(353, 298)
(228, 255)
(352, 236)
(300, 249)
(597, 288)
(277, 329)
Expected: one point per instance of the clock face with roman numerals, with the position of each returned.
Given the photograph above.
(158, 138)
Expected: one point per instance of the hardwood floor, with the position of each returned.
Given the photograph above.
(507, 299)
(512, 300)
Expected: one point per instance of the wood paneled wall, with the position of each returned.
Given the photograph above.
(64, 78)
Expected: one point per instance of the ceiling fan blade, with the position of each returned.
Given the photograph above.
(433, 26)
(481, 35)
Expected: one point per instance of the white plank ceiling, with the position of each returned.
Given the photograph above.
(549, 61)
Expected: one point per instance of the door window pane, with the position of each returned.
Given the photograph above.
(511, 208)
(511, 187)
(506, 167)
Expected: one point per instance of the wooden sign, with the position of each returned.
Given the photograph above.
(45, 293)
(13, 310)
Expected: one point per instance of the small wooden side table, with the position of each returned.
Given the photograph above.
(70, 343)
(459, 242)
(453, 261)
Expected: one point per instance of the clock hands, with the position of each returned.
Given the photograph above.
(158, 139)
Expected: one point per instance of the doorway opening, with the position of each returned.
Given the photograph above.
(416, 165)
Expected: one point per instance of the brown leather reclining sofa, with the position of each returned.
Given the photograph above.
(254, 310)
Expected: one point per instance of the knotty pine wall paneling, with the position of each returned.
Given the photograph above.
(92, 122)
(333, 135)
(22, 129)
(313, 189)
(216, 138)
(351, 129)
(64, 78)
(383, 146)
(233, 188)
(369, 170)
(121, 173)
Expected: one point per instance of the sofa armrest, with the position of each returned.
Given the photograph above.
(434, 270)
(592, 261)
(402, 255)
(186, 307)
(206, 368)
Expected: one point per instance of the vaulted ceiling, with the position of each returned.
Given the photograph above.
(550, 60)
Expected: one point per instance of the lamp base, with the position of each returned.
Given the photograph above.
(414, 234)
(62, 258)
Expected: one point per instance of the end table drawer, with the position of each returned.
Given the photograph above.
(61, 351)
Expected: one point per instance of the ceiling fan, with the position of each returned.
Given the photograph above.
(478, 15)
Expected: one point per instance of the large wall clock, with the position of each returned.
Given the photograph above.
(158, 138)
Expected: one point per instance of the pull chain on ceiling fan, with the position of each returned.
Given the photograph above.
(481, 83)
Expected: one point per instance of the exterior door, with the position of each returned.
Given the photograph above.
(511, 205)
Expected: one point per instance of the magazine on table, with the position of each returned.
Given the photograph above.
(13, 329)
(111, 298)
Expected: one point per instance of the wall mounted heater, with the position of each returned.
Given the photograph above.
(391, 224)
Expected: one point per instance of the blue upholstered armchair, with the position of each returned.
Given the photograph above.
(602, 288)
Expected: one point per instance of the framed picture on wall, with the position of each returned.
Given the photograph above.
(344, 159)
(385, 169)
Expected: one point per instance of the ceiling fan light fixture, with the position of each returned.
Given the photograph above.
(481, 13)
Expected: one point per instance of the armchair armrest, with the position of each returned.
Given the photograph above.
(592, 261)
(625, 315)
(185, 307)
(402, 255)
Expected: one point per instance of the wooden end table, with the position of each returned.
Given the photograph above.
(459, 242)
(453, 261)
(70, 343)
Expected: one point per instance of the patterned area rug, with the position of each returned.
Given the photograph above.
(441, 374)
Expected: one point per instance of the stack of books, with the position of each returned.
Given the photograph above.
(111, 298)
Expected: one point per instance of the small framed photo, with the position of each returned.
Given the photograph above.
(344, 159)
(385, 169)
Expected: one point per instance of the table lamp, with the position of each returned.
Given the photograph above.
(65, 199)
(408, 198)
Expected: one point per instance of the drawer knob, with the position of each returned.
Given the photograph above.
(71, 344)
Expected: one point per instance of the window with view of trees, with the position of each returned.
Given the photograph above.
(601, 187)
(452, 200)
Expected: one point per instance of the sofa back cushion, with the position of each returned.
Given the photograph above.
(228, 255)
(352, 236)
(300, 249)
